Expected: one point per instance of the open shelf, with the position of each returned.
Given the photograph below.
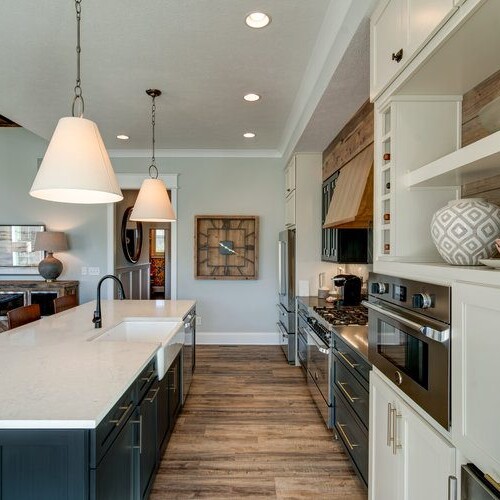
(437, 272)
(476, 161)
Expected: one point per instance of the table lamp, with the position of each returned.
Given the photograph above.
(50, 241)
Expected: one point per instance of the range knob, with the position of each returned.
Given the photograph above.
(379, 288)
(421, 301)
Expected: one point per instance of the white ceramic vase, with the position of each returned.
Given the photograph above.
(465, 230)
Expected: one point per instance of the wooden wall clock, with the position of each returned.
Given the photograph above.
(226, 247)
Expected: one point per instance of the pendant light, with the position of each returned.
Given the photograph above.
(153, 203)
(76, 167)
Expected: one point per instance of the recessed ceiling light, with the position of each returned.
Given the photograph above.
(257, 20)
(248, 135)
(251, 97)
(123, 137)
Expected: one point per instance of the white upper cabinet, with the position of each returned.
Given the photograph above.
(476, 376)
(387, 40)
(290, 210)
(424, 16)
(399, 28)
(290, 177)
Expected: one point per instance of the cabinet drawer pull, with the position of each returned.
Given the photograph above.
(395, 445)
(347, 440)
(125, 411)
(140, 434)
(152, 399)
(149, 377)
(389, 426)
(352, 399)
(348, 361)
(397, 56)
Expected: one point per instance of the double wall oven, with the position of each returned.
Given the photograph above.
(409, 339)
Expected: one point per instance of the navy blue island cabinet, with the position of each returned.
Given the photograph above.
(117, 460)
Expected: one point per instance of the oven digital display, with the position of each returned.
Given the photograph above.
(404, 351)
(399, 293)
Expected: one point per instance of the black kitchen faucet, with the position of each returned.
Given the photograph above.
(97, 319)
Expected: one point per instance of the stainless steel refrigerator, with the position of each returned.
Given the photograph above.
(286, 293)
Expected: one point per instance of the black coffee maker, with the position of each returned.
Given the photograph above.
(349, 289)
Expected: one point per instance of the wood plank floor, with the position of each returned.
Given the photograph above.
(249, 429)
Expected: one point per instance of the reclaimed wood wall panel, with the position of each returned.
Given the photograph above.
(352, 139)
(489, 189)
(473, 102)
(5, 122)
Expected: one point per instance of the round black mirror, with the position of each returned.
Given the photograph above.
(131, 237)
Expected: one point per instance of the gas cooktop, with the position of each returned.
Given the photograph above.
(324, 319)
(343, 315)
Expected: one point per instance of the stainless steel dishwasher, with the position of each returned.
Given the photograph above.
(188, 352)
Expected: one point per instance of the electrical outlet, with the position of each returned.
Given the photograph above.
(84, 271)
(198, 320)
(94, 271)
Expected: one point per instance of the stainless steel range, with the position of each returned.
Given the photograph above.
(321, 324)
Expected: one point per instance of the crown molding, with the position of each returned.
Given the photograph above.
(195, 153)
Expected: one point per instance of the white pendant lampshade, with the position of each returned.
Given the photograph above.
(153, 203)
(76, 167)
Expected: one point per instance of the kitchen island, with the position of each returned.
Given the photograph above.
(82, 415)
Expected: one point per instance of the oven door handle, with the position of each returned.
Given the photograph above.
(314, 338)
(431, 333)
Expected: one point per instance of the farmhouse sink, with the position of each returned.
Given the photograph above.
(170, 334)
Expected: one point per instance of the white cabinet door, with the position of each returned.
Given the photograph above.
(388, 37)
(424, 16)
(409, 460)
(429, 459)
(475, 368)
(290, 210)
(386, 466)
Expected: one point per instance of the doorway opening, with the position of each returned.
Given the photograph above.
(160, 260)
(136, 277)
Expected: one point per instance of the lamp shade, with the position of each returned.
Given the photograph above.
(153, 203)
(76, 167)
(51, 241)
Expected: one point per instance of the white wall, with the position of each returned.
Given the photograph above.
(237, 186)
(84, 224)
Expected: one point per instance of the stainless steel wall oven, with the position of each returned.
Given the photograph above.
(409, 339)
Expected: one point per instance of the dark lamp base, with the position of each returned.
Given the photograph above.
(50, 268)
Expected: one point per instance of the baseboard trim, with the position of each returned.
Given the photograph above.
(237, 338)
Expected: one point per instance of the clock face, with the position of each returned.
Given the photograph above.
(226, 247)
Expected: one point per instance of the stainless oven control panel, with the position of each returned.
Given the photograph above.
(423, 298)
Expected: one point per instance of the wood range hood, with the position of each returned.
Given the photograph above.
(351, 205)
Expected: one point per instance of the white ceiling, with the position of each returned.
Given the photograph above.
(202, 56)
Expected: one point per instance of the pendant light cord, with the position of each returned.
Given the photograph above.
(78, 88)
(153, 170)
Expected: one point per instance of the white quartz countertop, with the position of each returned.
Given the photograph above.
(53, 377)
